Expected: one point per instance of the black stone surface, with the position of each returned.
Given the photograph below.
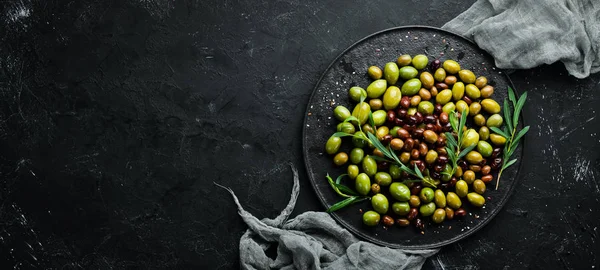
(117, 116)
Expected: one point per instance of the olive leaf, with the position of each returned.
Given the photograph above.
(335, 187)
(500, 132)
(351, 118)
(521, 134)
(371, 121)
(507, 115)
(518, 108)
(465, 151)
(346, 202)
(508, 164)
(339, 178)
(511, 97)
(341, 134)
(450, 139)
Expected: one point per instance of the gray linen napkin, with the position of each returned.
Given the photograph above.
(523, 34)
(313, 240)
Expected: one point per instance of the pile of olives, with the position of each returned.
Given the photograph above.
(410, 103)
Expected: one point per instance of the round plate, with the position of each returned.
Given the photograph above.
(349, 69)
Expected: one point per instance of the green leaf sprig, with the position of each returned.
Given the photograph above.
(344, 191)
(453, 146)
(348, 193)
(510, 130)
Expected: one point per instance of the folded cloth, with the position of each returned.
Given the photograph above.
(313, 240)
(523, 34)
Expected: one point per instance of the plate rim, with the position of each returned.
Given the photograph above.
(350, 228)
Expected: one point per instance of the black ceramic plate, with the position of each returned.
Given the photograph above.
(349, 69)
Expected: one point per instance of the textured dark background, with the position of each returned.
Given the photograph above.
(117, 116)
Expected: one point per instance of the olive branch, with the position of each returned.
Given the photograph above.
(453, 145)
(509, 132)
(351, 196)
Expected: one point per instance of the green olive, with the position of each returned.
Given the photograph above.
(497, 139)
(440, 198)
(427, 209)
(426, 195)
(439, 75)
(361, 112)
(401, 208)
(487, 91)
(431, 156)
(490, 106)
(461, 188)
(369, 166)
(400, 191)
(414, 201)
(469, 176)
(411, 87)
(383, 179)
(376, 88)
(374, 72)
(346, 127)
(467, 76)
(495, 120)
(476, 199)
(382, 131)
(479, 186)
(481, 82)
(462, 106)
(395, 171)
(391, 72)
(447, 173)
(425, 108)
(444, 96)
(371, 218)
(359, 139)
(479, 120)
(474, 157)
(438, 216)
(458, 91)
(368, 128)
(474, 108)
(449, 107)
(471, 137)
(451, 66)
(352, 171)
(391, 98)
(430, 136)
(427, 80)
(376, 104)
(380, 203)
(394, 131)
(404, 60)
(379, 117)
(484, 133)
(357, 155)
(472, 91)
(453, 201)
(411, 111)
(484, 148)
(333, 144)
(362, 184)
(341, 113)
(408, 72)
(340, 159)
(356, 92)
(420, 61)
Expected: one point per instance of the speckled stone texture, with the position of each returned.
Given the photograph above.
(117, 116)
